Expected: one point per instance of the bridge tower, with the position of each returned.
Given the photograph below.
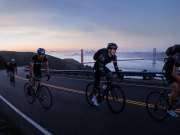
(82, 56)
(154, 55)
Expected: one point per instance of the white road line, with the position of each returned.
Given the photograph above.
(37, 126)
(87, 80)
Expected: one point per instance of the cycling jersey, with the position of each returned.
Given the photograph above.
(102, 58)
(38, 61)
(12, 67)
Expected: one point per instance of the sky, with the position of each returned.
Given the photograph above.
(135, 25)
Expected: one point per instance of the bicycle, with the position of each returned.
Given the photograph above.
(41, 92)
(110, 92)
(157, 104)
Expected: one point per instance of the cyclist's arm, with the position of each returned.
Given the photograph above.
(117, 68)
(115, 64)
(47, 66)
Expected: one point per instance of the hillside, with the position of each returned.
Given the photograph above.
(23, 58)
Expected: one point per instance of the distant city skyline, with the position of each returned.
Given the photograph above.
(57, 25)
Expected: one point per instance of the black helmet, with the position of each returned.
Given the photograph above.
(112, 46)
(41, 51)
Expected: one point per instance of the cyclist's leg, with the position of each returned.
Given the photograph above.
(96, 89)
(97, 77)
(11, 75)
(173, 98)
(35, 86)
(13, 78)
(108, 74)
(35, 82)
(38, 80)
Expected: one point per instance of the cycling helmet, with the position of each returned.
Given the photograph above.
(41, 51)
(112, 46)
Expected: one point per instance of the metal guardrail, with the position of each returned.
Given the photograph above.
(117, 60)
(89, 73)
(144, 74)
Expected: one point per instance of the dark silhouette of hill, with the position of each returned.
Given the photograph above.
(24, 58)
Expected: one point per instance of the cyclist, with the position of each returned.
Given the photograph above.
(38, 61)
(12, 67)
(102, 57)
(171, 73)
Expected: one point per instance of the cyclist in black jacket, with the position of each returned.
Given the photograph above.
(170, 68)
(102, 57)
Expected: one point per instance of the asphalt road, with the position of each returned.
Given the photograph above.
(71, 115)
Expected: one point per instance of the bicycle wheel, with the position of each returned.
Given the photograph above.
(116, 99)
(157, 105)
(28, 90)
(45, 97)
(89, 93)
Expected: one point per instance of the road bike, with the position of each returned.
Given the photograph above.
(40, 92)
(112, 93)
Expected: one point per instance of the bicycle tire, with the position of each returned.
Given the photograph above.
(153, 106)
(43, 94)
(118, 96)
